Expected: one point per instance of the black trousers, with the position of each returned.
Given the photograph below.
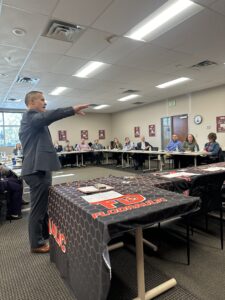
(39, 184)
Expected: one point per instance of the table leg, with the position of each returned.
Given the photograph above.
(142, 295)
(195, 161)
(140, 263)
(161, 162)
(77, 160)
(82, 160)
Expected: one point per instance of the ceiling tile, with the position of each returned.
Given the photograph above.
(44, 7)
(202, 35)
(67, 65)
(121, 16)
(12, 18)
(89, 44)
(117, 50)
(82, 12)
(219, 6)
(151, 57)
(11, 57)
(38, 62)
(48, 45)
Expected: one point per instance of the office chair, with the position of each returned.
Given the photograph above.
(208, 187)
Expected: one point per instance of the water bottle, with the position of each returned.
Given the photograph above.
(177, 149)
(195, 149)
(14, 161)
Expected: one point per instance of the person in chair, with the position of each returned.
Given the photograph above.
(140, 158)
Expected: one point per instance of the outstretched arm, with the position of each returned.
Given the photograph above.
(79, 109)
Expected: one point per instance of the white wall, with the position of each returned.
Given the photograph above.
(91, 122)
(208, 103)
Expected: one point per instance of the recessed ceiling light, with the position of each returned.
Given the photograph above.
(19, 31)
(129, 97)
(169, 15)
(89, 68)
(101, 106)
(173, 82)
(59, 90)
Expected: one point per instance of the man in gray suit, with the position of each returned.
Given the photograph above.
(40, 159)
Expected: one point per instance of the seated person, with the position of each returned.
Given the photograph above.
(213, 148)
(68, 159)
(127, 147)
(117, 146)
(58, 147)
(14, 186)
(97, 156)
(68, 147)
(174, 145)
(18, 150)
(190, 145)
(140, 158)
(83, 146)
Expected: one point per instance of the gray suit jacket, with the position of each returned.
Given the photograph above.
(38, 149)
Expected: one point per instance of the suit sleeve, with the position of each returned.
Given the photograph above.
(41, 119)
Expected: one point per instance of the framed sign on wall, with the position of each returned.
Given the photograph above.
(220, 124)
(151, 130)
(84, 134)
(101, 134)
(62, 135)
(137, 131)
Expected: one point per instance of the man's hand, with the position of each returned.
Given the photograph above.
(78, 109)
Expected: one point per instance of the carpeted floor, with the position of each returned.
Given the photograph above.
(26, 276)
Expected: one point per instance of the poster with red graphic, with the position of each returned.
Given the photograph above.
(84, 134)
(62, 136)
(101, 134)
(220, 124)
(137, 131)
(151, 129)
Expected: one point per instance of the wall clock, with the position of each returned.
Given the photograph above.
(198, 119)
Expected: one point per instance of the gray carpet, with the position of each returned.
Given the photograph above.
(26, 276)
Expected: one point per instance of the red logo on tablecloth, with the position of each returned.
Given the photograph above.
(58, 236)
(129, 201)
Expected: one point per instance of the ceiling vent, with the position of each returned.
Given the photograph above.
(63, 31)
(13, 100)
(204, 63)
(138, 103)
(28, 80)
(131, 92)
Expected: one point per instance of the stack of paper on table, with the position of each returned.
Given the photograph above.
(98, 187)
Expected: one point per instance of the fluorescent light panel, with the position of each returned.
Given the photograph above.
(101, 106)
(59, 90)
(166, 17)
(129, 97)
(172, 82)
(89, 68)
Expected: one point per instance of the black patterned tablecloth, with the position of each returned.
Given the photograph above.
(183, 182)
(80, 231)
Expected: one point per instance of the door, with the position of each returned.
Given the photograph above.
(180, 126)
(173, 125)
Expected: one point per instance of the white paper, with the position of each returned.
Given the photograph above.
(213, 169)
(101, 196)
(180, 174)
